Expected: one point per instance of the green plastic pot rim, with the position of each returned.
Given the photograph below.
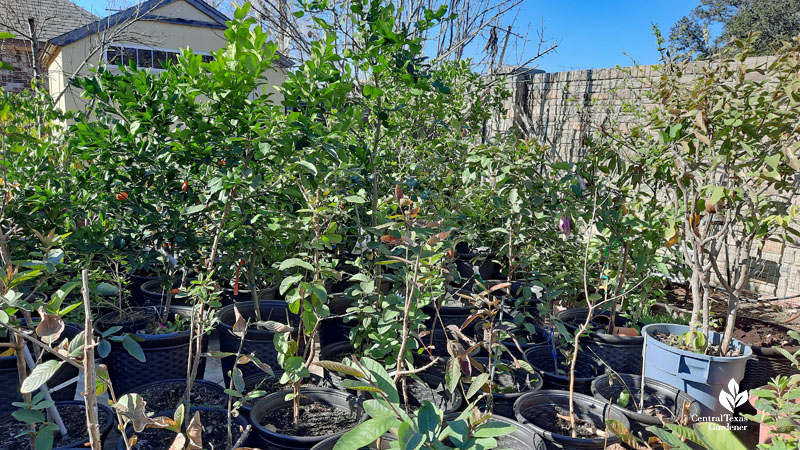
(652, 340)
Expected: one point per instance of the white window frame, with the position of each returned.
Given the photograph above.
(138, 47)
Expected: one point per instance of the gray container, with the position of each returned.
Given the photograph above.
(703, 377)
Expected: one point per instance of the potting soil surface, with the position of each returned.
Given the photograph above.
(316, 419)
(74, 418)
(215, 433)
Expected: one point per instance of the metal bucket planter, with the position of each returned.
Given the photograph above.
(703, 377)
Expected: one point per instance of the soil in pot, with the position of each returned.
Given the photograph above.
(215, 431)
(74, 417)
(316, 419)
(431, 388)
(131, 320)
(165, 395)
(271, 385)
(678, 342)
(763, 334)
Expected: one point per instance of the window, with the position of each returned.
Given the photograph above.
(765, 271)
(143, 57)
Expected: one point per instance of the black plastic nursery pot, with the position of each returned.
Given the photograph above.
(555, 368)
(538, 410)
(513, 384)
(468, 263)
(432, 388)
(73, 413)
(270, 385)
(136, 281)
(660, 399)
(256, 341)
(325, 413)
(168, 394)
(230, 296)
(166, 357)
(623, 354)
(215, 430)
(524, 338)
(333, 328)
(156, 295)
(9, 378)
(522, 438)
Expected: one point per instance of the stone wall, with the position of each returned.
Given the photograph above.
(563, 109)
(16, 53)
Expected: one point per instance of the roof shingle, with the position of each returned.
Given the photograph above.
(53, 17)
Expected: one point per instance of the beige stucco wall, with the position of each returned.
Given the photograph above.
(157, 35)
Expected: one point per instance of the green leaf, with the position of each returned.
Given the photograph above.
(28, 416)
(717, 194)
(133, 348)
(289, 281)
(453, 374)
(409, 439)
(494, 429)
(477, 384)
(381, 377)
(673, 440)
(39, 375)
(624, 398)
(6, 35)
(44, 439)
(428, 419)
(366, 433)
(58, 297)
(295, 262)
(195, 209)
(341, 368)
(355, 199)
(717, 438)
(773, 160)
(310, 167)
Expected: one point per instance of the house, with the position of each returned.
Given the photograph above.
(148, 34)
(50, 18)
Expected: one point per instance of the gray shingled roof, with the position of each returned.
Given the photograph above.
(54, 17)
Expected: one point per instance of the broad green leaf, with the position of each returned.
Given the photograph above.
(477, 384)
(366, 433)
(493, 429)
(39, 375)
(28, 416)
(452, 374)
(341, 368)
(716, 437)
(133, 348)
(295, 262)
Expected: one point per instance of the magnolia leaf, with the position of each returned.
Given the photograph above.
(51, 326)
(275, 327)
(477, 384)
(195, 432)
(39, 375)
(453, 374)
(341, 368)
(240, 325)
(179, 443)
(132, 407)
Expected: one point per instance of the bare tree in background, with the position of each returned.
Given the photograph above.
(483, 30)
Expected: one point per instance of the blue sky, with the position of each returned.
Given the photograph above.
(592, 33)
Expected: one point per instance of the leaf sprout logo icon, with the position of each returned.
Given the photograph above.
(733, 398)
